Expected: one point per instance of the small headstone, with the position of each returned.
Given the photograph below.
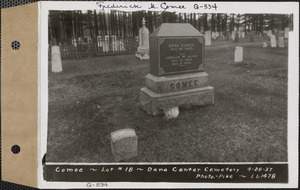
(56, 60)
(237, 37)
(286, 32)
(269, 33)
(233, 35)
(238, 54)
(124, 144)
(171, 113)
(207, 38)
(143, 49)
(243, 34)
(273, 40)
(213, 35)
(265, 44)
(281, 42)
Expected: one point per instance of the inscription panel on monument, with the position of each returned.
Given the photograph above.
(180, 55)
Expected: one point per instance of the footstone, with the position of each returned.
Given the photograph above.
(238, 54)
(124, 144)
(273, 40)
(153, 103)
(171, 113)
(280, 42)
(56, 59)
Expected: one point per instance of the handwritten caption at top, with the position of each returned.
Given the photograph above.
(163, 6)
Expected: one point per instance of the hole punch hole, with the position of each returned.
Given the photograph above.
(15, 149)
(15, 45)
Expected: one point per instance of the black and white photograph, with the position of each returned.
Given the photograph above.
(151, 87)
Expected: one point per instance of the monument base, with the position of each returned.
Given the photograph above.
(154, 103)
(172, 83)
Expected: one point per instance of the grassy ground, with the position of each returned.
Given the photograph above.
(93, 97)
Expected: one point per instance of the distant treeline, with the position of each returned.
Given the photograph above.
(65, 25)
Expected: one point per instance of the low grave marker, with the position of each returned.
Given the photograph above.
(124, 144)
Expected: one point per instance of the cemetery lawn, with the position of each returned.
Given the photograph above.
(96, 96)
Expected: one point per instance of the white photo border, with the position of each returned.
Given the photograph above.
(223, 7)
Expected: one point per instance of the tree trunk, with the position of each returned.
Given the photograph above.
(218, 22)
(224, 25)
(205, 22)
(213, 23)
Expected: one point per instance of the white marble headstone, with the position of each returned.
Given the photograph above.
(207, 38)
(238, 54)
(56, 59)
(273, 40)
(233, 35)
